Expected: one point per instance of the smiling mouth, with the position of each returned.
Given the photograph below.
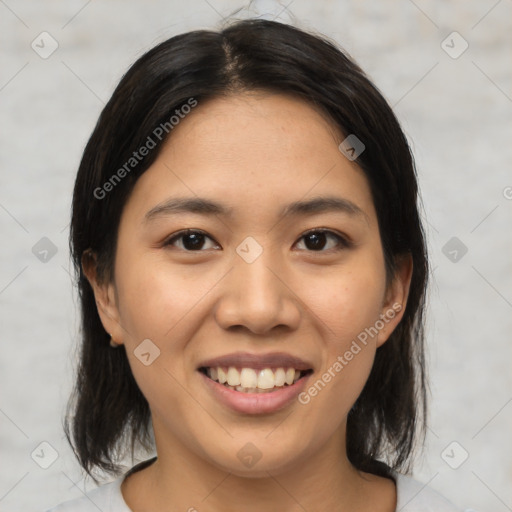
(250, 380)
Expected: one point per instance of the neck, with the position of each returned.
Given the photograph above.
(325, 480)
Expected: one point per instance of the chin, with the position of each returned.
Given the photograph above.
(245, 459)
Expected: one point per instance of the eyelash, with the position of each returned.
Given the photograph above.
(343, 242)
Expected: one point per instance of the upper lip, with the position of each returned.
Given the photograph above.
(257, 361)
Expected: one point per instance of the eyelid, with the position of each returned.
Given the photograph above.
(178, 234)
(344, 241)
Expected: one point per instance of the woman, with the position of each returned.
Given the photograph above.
(252, 273)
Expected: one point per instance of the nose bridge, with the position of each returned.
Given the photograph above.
(254, 296)
(256, 280)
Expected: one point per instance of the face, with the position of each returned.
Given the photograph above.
(271, 259)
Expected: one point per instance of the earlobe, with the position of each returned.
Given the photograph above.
(396, 297)
(104, 296)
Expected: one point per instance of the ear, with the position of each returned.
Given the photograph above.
(105, 295)
(396, 296)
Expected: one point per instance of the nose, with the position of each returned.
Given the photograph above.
(256, 296)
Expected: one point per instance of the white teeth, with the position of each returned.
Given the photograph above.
(221, 375)
(233, 376)
(248, 380)
(266, 379)
(280, 377)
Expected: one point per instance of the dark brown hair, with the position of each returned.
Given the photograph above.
(107, 411)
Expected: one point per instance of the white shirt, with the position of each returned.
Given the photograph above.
(412, 496)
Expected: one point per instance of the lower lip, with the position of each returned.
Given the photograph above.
(255, 403)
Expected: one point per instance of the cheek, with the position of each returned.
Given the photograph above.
(329, 397)
(349, 301)
(161, 305)
(348, 311)
(166, 305)
(156, 299)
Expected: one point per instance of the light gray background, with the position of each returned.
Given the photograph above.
(457, 113)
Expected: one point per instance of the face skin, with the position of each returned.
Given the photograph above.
(254, 153)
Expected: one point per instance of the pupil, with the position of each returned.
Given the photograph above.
(195, 239)
(317, 239)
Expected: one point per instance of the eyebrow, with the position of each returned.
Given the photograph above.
(322, 205)
(205, 206)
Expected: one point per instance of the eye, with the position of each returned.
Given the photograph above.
(190, 240)
(317, 239)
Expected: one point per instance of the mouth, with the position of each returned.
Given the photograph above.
(254, 380)
(256, 384)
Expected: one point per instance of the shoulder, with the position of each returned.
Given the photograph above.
(414, 496)
(107, 498)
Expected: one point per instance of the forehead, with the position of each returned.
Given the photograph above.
(275, 126)
(252, 151)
